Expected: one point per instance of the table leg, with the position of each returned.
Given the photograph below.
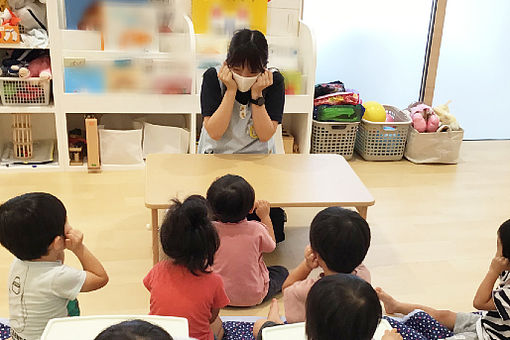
(362, 211)
(155, 236)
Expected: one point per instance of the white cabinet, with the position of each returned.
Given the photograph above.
(66, 109)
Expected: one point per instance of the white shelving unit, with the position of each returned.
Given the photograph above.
(83, 44)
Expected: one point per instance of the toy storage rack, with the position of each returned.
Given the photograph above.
(64, 43)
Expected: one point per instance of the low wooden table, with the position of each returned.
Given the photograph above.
(292, 180)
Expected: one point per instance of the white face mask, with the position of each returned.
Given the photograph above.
(244, 84)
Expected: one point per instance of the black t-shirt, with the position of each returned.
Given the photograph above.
(210, 95)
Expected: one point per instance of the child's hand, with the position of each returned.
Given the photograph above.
(262, 209)
(391, 335)
(310, 258)
(499, 264)
(74, 240)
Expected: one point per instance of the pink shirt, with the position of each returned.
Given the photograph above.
(177, 292)
(294, 297)
(240, 263)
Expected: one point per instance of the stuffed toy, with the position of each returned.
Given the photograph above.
(8, 18)
(39, 67)
(423, 117)
(32, 13)
(16, 64)
(447, 119)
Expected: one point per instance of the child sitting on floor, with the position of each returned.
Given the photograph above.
(494, 324)
(34, 228)
(340, 306)
(184, 285)
(239, 260)
(339, 241)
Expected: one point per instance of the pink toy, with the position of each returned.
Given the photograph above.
(424, 118)
(39, 67)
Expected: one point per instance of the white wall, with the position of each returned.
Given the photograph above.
(376, 47)
(474, 67)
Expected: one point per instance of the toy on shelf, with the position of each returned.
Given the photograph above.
(423, 117)
(448, 121)
(18, 62)
(77, 147)
(22, 135)
(31, 13)
(9, 30)
(374, 112)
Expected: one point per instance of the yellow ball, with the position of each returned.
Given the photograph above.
(374, 112)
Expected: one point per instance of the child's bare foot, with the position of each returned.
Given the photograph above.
(390, 304)
(274, 312)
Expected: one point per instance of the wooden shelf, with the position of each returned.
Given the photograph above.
(27, 109)
(130, 103)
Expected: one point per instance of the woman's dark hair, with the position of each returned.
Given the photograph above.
(134, 330)
(188, 236)
(248, 47)
(342, 307)
(341, 237)
(231, 198)
(29, 223)
(504, 237)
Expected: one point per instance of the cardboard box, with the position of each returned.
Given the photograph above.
(92, 144)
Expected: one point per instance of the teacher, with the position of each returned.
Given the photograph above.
(242, 104)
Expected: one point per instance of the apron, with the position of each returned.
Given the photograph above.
(240, 136)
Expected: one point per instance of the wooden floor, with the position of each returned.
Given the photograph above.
(434, 228)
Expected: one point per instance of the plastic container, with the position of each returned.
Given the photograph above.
(384, 141)
(434, 147)
(24, 92)
(333, 137)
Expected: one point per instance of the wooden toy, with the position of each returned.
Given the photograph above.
(92, 143)
(22, 135)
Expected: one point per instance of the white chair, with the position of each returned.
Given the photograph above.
(88, 327)
(296, 331)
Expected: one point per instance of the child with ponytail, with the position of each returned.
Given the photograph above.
(184, 285)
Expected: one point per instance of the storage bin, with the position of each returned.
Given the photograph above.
(24, 92)
(120, 147)
(333, 137)
(383, 141)
(434, 147)
(164, 139)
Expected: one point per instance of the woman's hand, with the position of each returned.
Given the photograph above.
(225, 75)
(263, 81)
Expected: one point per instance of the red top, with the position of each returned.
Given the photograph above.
(177, 292)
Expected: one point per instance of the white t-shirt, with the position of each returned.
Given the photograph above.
(38, 292)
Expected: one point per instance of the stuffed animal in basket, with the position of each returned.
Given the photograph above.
(447, 119)
(39, 67)
(32, 13)
(17, 61)
(423, 117)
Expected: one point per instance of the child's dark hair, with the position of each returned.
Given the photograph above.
(342, 307)
(188, 236)
(504, 237)
(248, 47)
(29, 223)
(341, 237)
(134, 330)
(231, 198)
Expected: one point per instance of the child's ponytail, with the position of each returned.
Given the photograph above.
(188, 236)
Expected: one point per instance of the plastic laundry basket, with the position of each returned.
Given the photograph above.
(385, 141)
(334, 137)
(25, 92)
